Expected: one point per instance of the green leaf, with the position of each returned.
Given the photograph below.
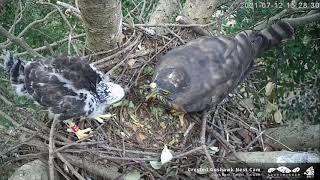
(133, 175)
(213, 149)
(271, 107)
(131, 104)
(118, 104)
(156, 164)
(173, 171)
(148, 70)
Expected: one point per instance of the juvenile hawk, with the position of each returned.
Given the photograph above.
(67, 86)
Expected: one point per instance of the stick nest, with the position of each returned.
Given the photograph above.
(140, 129)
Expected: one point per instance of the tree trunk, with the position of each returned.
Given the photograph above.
(200, 11)
(103, 23)
(165, 12)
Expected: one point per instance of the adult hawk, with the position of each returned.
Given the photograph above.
(67, 86)
(204, 71)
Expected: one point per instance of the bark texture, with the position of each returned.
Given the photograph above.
(298, 137)
(86, 163)
(200, 11)
(103, 23)
(34, 170)
(164, 12)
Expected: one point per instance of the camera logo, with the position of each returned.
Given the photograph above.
(284, 169)
(309, 172)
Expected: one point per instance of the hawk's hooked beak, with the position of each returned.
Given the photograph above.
(156, 92)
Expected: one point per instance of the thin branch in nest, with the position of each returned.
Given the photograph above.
(19, 126)
(176, 35)
(74, 172)
(149, 60)
(51, 149)
(101, 63)
(21, 143)
(152, 171)
(183, 20)
(174, 25)
(254, 140)
(203, 127)
(123, 147)
(203, 141)
(119, 64)
(184, 154)
(187, 133)
(236, 118)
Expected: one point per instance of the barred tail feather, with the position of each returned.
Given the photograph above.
(15, 67)
(273, 36)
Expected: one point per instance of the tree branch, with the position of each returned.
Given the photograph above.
(295, 22)
(300, 21)
(19, 41)
(29, 26)
(51, 149)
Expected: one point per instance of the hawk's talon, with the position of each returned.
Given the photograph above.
(182, 121)
(83, 133)
(102, 117)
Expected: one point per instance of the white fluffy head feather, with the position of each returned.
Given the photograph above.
(116, 93)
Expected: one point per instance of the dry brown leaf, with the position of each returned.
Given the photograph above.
(131, 62)
(245, 134)
(134, 127)
(140, 137)
(163, 125)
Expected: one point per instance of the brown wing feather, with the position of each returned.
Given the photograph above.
(205, 70)
(214, 67)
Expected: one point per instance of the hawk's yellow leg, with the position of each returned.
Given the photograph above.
(180, 115)
(103, 117)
